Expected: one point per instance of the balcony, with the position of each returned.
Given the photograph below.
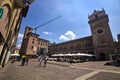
(19, 3)
(22, 3)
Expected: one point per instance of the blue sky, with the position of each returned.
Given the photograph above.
(74, 21)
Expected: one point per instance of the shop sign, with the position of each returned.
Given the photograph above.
(1, 12)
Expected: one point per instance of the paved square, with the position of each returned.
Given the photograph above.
(60, 71)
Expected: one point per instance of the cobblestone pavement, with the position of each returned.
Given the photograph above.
(91, 64)
(105, 76)
(60, 71)
(34, 72)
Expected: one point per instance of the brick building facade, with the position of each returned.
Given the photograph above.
(11, 14)
(32, 44)
(79, 45)
(100, 43)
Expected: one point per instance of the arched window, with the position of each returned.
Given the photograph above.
(60, 48)
(88, 44)
(55, 49)
(71, 47)
(78, 47)
(65, 48)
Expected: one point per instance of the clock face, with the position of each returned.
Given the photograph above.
(99, 31)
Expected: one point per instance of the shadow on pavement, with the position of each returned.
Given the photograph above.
(110, 64)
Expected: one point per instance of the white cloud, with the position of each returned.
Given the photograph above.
(18, 46)
(47, 33)
(20, 37)
(20, 40)
(63, 37)
(69, 35)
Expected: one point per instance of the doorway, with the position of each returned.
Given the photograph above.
(102, 56)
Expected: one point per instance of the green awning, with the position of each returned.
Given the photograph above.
(115, 53)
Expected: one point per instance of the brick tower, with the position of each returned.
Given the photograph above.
(101, 34)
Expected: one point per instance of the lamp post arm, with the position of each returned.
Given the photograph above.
(46, 23)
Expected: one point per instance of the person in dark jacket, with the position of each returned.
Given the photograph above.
(27, 59)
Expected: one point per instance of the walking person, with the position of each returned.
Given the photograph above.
(45, 61)
(23, 60)
(40, 58)
(27, 59)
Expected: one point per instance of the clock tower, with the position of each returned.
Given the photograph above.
(101, 34)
